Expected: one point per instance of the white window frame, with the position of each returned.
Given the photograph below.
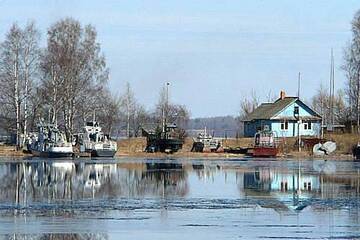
(284, 125)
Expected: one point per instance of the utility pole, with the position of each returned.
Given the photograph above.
(297, 118)
(299, 80)
(332, 91)
(297, 113)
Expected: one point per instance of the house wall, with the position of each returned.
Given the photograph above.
(304, 111)
(250, 128)
(292, 130)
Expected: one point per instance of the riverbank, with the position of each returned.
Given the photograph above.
(134, 147)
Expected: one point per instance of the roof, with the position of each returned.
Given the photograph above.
(269, 110)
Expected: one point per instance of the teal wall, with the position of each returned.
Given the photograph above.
(293, 127)
(304, 111)
(250, 128)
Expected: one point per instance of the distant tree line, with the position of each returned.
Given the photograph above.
(65, 83)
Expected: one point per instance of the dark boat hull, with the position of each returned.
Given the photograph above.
(164, 145)
(236, 150)
(103, 153)
(197, 147)
(52, 154)
(356, 153)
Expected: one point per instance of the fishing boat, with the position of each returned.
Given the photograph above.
(204, 142)
(265, 144)
(92, 140)
(166, 141)
(50, 142)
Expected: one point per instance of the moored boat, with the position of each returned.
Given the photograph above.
(92, 140)
(166, 141)
(204, 142)
(50, 143)
(265, 144)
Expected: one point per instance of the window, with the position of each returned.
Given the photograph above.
(284, 125)
(307, 125)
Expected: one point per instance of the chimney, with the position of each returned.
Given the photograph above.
(282, 94)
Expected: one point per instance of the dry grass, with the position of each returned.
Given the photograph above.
(132, 145)
(238, 142)
(6, 150)
(344, 141)
(136, 146)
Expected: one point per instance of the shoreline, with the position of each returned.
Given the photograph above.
(134, 148)
(9, 151)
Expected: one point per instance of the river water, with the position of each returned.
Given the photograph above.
(179, 199)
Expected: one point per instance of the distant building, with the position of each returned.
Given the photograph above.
(280, 117)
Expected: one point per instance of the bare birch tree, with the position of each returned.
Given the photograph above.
(128, 103)
(108, 112)
(170, 112)
(321, 103)
(134, 114)
(18, 65)
(74, 71)
(352, 69)
(10, 77)
(30, 62)
(249, 104)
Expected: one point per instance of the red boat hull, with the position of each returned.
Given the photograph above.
(265, 151)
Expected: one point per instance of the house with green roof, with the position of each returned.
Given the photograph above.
(284, 117)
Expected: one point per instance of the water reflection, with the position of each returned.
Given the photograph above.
(42, 181)
(111, 194)
(26, 182)
(298, 188)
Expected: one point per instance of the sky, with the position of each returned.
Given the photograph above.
(213, 53)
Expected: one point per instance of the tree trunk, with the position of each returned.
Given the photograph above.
(358, 105)
(54, 106)
(26, 78)
(17, 101)
(128, 118)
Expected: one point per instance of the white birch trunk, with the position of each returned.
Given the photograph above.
(17, 99)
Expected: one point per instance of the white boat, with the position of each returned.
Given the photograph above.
(205, 142)
(94, 141)
(50, 143)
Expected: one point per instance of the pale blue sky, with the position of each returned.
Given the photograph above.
(212, 52)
